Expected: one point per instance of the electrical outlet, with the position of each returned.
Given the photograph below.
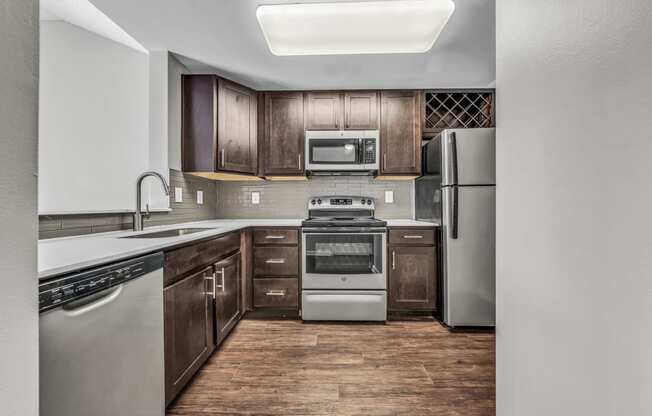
(200, 197)
(389, 197)
(255, 198)
(178, 194)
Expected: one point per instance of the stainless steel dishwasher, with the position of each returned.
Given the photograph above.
(101, 341)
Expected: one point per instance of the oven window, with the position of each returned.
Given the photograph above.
(334, 151)
(344, 254)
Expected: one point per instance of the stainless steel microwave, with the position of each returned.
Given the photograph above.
(343, 152)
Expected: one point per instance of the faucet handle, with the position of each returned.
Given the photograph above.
(147, 213)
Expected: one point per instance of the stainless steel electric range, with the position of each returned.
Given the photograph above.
(344, 275)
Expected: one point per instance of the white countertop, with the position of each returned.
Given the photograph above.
(63, 255)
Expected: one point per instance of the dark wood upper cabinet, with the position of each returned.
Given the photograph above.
(361, 110)
(189, 323)
(283, 127)
(227, 296)
(412, 278)
(237, 128)
(323, 110)
(400, 133)
(219, 126)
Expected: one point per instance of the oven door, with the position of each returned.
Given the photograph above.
(344, 260)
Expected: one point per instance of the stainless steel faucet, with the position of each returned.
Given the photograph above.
(138, 216)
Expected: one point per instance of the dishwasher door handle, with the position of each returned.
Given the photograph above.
(92, 302)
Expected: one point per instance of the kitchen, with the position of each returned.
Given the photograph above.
(306, 208)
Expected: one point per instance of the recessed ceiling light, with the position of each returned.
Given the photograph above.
(396, 26)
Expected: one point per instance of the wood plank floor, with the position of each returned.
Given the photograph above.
(291, 368)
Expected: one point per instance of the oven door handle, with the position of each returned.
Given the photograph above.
(345, 230)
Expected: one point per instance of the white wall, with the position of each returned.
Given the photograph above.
(175, 70)
(574, 207)
(18, 221)
(158, 128)
(93, 121)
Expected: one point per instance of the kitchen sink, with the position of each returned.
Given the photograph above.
(177, 232)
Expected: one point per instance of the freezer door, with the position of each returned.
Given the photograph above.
(469, 235)
(468, 157)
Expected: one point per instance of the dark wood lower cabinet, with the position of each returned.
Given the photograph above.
(202, 304)
(227, 296)
(412, 282)
(188, 329)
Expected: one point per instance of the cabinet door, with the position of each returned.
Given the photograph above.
(284, 134)
(400, 133)
(198, 123)
(227, 295)
(237, 128)
(361, 110)
(324, 110)
(188, 329)
(412, 278)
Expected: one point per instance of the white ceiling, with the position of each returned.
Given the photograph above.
(224, 34)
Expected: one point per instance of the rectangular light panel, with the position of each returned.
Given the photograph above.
(343, 28)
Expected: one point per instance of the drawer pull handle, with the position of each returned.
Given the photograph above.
(275, 237)
(275, 261)
(275, 293)
(412, 236)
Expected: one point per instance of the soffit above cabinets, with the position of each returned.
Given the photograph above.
(225, 36)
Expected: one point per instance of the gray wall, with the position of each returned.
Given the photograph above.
(574, 204)
(289, 199)
(18, 218)
(188, 210)
(175, 70)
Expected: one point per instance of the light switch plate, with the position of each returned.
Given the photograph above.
(255, 198)
(200, 197)
(178, 194)
(389, 197)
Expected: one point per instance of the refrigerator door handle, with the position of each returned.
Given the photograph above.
(454, 173)
(455, 220)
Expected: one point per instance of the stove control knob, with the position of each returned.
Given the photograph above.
(313, 202)
(368, 201)
(319, 201)
(363, 202)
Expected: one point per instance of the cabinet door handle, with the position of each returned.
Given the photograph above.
(413, 236)
(384, 160)
(275, 261)
(299, 157)
(393, 260)
(275, 293)
(274, 237)
(221, 273)
(212, 279)
(223, 157)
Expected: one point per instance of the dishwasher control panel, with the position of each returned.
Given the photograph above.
(59, 291)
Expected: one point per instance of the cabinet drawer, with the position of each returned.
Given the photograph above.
(276, 236)
(182, 260)
(276, 293)
(412, 236)
(276, 261)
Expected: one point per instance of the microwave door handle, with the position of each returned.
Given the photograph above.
(360, 152)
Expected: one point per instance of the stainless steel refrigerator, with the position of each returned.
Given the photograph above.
(458, 188)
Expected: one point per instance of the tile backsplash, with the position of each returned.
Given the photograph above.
(226, 200)
(67, 225)
(289, 199)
